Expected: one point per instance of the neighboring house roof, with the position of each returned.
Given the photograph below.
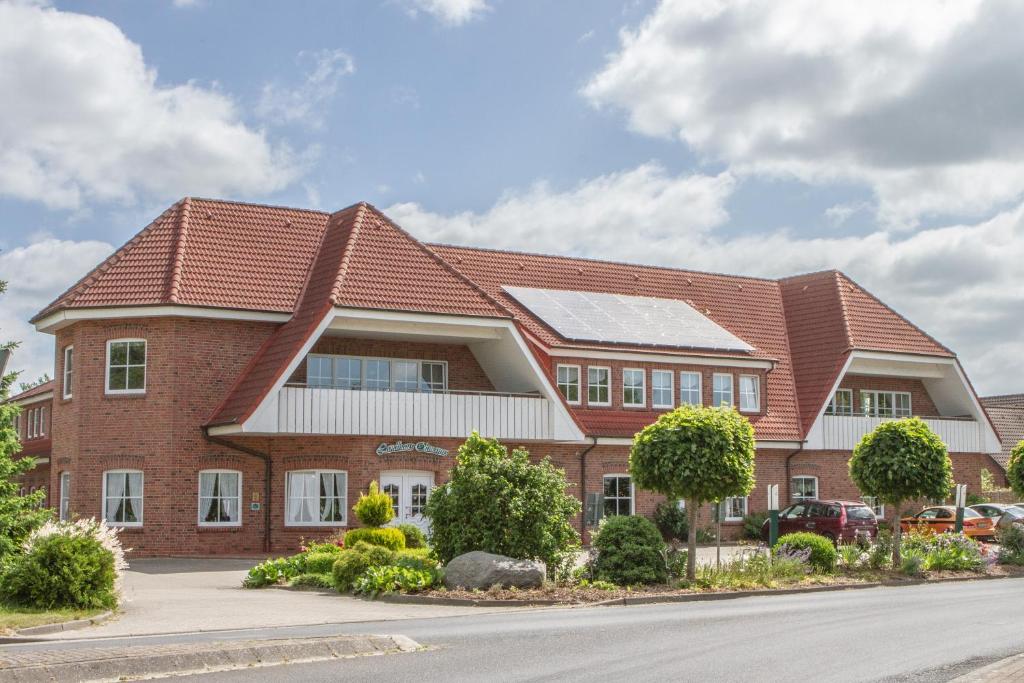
(37, 390)
(1007, 414)
(222, 254)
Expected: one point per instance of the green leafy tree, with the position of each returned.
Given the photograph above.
(501, 503)
(696, 454)
(901, 460)
(1015, 469)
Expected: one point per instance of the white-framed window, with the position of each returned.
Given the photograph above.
(17, 426)
(721, 390)
(406, 375)
(689, 388)
(42, 421)
(69, 368)
(885, 403)
(803, 487)
(618, 495)
(220, 498)
(65, 496)
(841, 403)
(736, 508)
(662, 391)
(316, 498)
(377, 374)
(126, 366)
(876, 507)
(348, 373)
(432, 376)
(122, 497)
(30, 423)
(569, 382)
(634, 388)
(750, 393)
(599, 386)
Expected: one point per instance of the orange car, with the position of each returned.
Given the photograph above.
(941, 518)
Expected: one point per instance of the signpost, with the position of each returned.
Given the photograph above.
(961, 503)
(719, 515)
(773, 514)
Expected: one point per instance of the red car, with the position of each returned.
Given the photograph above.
(836, 520)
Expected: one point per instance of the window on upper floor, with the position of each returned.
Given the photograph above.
(126, 366)
(689, 388)
(750, 393)
(599, 386)
(569, 382)
(69, 360)
(633, 388)
(376, 374)
(885, 403)
(661, 389)
(721, 390)
(841, 403)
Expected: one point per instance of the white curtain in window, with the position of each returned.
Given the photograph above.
(207, 486)
(115, 494)
(328, 497)
(302, 492)
(133, 494)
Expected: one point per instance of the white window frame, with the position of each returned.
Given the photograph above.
(364, 360)
(141, 497)
(30, 423)
(145, 367)
(608, 375)
(700, 387)
(64, 504)
(199, 499)
(287, 498)
(892, 396)
(560, 383)
(728, 508)
(832, 408)
(632, 491)
(876, 507)
(42, 421)
(757, 394)
(643, 387)
(67, 385)
(793, 498)
(732, 390)
(671, 389)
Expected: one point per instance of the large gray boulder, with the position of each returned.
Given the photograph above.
(478, 569)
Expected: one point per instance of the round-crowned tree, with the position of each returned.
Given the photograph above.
(1015, 469)
(696, 454)
(901, 460)
(500, 502)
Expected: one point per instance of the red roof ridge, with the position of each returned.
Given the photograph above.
(346, 254)
(179, 251)
(844, 307)
(40, 388)
(261, 205)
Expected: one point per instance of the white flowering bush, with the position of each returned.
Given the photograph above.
(66, 564)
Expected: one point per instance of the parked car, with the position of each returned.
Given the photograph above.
(836, 520)
(1003, 516)
(938, 519)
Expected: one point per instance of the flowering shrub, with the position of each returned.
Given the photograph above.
(946, 551)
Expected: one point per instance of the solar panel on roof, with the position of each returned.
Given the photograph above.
(620, 319)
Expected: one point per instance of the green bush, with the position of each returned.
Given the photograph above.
(750, 571)
(414, 536)
(851, 554)
(61, 570)
(411, 559)
(349, 566)
(388, 537)
(312, 581)
(706, 535)
(823, 553)
(273, 571)
(630, 551)
(498, 502)
(373, 509)
(880, 554)
(1015, 469)
(390, 579)
(671, 520)
(319, 563)
(376, 555)
(946, 551)
(1011, 544)
(322, 547)
(913, 562)
(752, 525)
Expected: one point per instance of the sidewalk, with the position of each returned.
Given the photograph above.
(1009, 670)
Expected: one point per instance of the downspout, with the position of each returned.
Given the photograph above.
(268, 471)
(583, 483)
(789, 479)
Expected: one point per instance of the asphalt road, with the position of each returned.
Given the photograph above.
(930, 633)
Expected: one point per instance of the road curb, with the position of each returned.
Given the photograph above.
(107, 664)
(411, 599)
(28, 634)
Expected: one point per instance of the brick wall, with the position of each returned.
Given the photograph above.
(920, 401)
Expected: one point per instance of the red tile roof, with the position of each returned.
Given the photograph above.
(1007, 415)
(43, 388)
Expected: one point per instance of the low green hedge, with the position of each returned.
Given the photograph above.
(823, 554)
(319, 563)
(388, 537)
(414, 536)
(630, 550)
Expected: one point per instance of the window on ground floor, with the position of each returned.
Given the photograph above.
(804, 488)
(65, 496)
(736, 508)
(317, 498)
(876, 507)
(122, 497)
(618, 495)
(220, 498)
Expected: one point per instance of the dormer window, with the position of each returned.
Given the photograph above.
(126, 366)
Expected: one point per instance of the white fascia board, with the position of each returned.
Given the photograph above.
(763, 445)
(992, 443)
(686, 359)
(815, 439)
(414, 317)
(904, 357)
(63, 318)
(31, 400)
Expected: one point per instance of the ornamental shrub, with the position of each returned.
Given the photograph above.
(390, 579)
(671, 520)
(630, 551)
(696, 454)
(945, 551)
(274, 571)
(752, 525)
(349, 566)
(498, 502)
(901, 460)
(388, 537)
(65, 565)
(373, 509)
(823, 554)
(411, 559)
(1011, 544)
(414, 536)
(376, 555)
(1015, 469)
(318, 580)
(319, 563)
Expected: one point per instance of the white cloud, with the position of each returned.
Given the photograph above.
(304, 103)
(920, 100)
(960, 283)
(85, 118)
(449, 12)
(36, 274)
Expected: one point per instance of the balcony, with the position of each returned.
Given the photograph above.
(314, 410)
(844, 432)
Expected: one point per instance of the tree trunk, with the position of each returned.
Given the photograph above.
(691, 541)
(897, 560)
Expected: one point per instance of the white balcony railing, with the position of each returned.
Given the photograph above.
(843, 432)
(309, 410)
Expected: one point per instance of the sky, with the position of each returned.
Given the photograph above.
(768, 138)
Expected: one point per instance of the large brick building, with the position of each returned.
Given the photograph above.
(231, 379)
